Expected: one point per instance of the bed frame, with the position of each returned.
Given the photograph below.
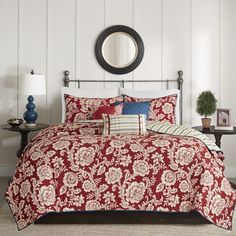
(179, 81)
(125, 217)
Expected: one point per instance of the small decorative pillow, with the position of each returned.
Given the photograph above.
(136, 108)
(83, 108)
(112, 110)
(124, 124)
(161, 109)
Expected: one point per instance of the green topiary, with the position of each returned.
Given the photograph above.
(206, 103)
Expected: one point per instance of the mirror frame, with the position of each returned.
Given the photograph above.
(99, 44)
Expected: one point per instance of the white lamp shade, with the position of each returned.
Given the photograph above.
(33, 84)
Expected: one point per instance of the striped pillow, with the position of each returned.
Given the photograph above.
(124, 124)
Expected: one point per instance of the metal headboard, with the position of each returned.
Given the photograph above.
(179, 80)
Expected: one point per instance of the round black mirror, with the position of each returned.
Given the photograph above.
(119, 49)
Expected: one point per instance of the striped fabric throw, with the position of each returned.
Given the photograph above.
(124, 124)
(181, 130)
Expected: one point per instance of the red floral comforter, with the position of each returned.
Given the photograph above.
(72, 167)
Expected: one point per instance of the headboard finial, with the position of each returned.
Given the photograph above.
(180, 77)
(66, 79)
(180, 73)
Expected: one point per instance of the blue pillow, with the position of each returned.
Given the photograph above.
(136, 108)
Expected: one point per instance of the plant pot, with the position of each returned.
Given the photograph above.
(206, 123)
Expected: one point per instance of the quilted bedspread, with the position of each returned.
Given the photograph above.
(73, 167)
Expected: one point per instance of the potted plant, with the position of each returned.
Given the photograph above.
(206, 105)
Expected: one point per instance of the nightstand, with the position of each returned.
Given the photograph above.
(24, 131)
(217, 133)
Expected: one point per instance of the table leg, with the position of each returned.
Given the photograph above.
(218, 139)
(23, 143)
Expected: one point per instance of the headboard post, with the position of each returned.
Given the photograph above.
(66, 78)
(180, 81)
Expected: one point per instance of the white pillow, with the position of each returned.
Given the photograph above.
(154, 94)
(86, 93)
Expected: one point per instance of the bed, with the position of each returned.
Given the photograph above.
(131, 160)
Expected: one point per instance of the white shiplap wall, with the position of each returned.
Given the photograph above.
(50, 36)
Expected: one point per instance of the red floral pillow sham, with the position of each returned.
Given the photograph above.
(84, 108)
(161, 109)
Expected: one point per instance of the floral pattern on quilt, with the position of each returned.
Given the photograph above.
(161, 109)
(83, 108)
(72, 167)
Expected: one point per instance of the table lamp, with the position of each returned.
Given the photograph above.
(32, 84)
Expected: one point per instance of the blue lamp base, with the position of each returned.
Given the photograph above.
(30, 116)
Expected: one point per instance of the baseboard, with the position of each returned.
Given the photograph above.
(8, 170)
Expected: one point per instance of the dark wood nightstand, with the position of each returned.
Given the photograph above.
(24, 131)
(217, 133)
